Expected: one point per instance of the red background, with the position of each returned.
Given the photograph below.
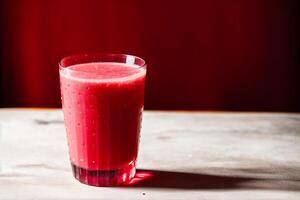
(208, 55)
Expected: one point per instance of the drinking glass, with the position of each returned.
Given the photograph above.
(102, 99)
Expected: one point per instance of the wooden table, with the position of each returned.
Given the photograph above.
(183, 155)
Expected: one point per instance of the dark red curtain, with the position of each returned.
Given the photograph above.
(216, 55)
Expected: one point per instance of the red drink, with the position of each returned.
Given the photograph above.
(103, 104)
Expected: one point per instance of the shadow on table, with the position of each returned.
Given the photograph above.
(180, 180)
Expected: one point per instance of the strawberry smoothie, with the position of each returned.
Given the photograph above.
(102, 104)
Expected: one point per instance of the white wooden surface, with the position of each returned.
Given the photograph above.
(190, 155)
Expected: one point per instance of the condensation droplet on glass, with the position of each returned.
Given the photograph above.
(81, 159)
(93, 162)
(78, 124)
(124, 177)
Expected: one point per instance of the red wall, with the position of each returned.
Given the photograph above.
(216, 55)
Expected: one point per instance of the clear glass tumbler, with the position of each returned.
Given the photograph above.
(103, 99)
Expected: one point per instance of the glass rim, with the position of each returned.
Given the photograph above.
(99, 55)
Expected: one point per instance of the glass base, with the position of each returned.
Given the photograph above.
(104, 178)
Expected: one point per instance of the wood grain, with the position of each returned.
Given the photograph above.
(183, 155)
